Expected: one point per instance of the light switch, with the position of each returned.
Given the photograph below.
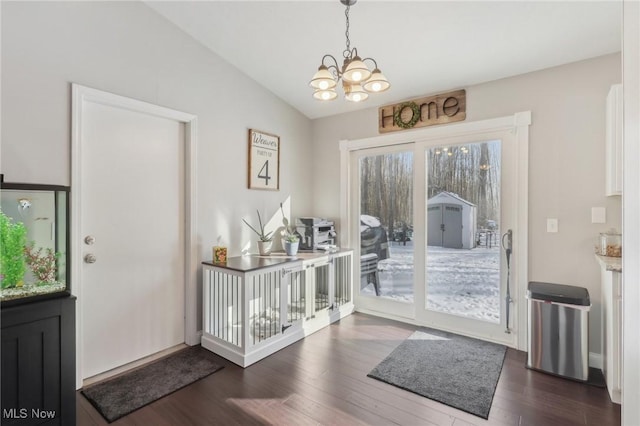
(598, 215)
(552, 225)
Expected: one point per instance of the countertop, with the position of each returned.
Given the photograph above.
(253, 262)
(613, 264)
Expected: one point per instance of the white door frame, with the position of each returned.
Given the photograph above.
(518, 124)
(80, 96)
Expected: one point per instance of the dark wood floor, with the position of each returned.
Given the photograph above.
(323, 380)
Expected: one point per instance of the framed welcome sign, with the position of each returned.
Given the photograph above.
(264, 160)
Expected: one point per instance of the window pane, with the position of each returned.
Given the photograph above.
(463, 230)
(386, 226)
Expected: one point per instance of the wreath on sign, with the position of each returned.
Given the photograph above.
(397, 118)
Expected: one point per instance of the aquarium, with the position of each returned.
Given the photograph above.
(34, 242)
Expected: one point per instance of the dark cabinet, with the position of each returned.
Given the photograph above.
(38, 363)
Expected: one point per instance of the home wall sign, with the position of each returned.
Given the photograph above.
(437, 109)
(264, 160)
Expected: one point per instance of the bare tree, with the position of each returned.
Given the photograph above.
(471, 171)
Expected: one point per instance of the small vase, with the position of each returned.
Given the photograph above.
(291, 248)
(264, 248)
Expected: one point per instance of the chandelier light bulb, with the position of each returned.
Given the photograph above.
(354, 93)
(323, 79)
(356, 71)
(325, 95)
(377, 82)
(357, 79)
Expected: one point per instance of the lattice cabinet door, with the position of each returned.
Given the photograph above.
(276, 303)
(342, 279)
(317, 275)
(223, 296)
(329, 287)
(295, 298)
(264, 298)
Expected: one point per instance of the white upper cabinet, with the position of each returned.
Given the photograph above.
(613, 154)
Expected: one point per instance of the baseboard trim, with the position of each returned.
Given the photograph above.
(595, 360)
(131, 366)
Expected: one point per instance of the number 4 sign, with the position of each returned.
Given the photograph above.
(264, 160)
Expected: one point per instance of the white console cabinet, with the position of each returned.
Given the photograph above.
(254, 306)
(612, 327)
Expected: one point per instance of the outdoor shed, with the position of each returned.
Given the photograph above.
(451, 221)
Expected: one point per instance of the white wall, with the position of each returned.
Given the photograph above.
(631, 235)
(128, 49)
(566, 161)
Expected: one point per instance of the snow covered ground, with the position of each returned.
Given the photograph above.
(461, 282)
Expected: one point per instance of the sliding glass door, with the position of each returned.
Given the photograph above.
(385, 228)
(467, 211)
(429, 220)
(463, 230)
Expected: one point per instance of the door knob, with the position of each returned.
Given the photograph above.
(89, 258)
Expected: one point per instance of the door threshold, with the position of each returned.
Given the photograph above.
(126, 368)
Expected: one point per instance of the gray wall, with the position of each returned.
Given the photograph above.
(566, 164)
(128, 49)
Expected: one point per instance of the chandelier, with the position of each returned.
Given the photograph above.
(357, 79)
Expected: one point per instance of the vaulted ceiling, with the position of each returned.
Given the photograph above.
(423, 47)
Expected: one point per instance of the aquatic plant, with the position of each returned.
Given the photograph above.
(13, 238)
(42, 264)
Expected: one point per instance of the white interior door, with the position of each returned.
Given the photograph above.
(132, 200)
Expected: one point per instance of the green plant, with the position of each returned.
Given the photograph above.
(291, 238)
(43, 265)
(13, 237)
(261, 233)
(290, 234)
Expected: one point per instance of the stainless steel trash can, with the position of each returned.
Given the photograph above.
(559, 329)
